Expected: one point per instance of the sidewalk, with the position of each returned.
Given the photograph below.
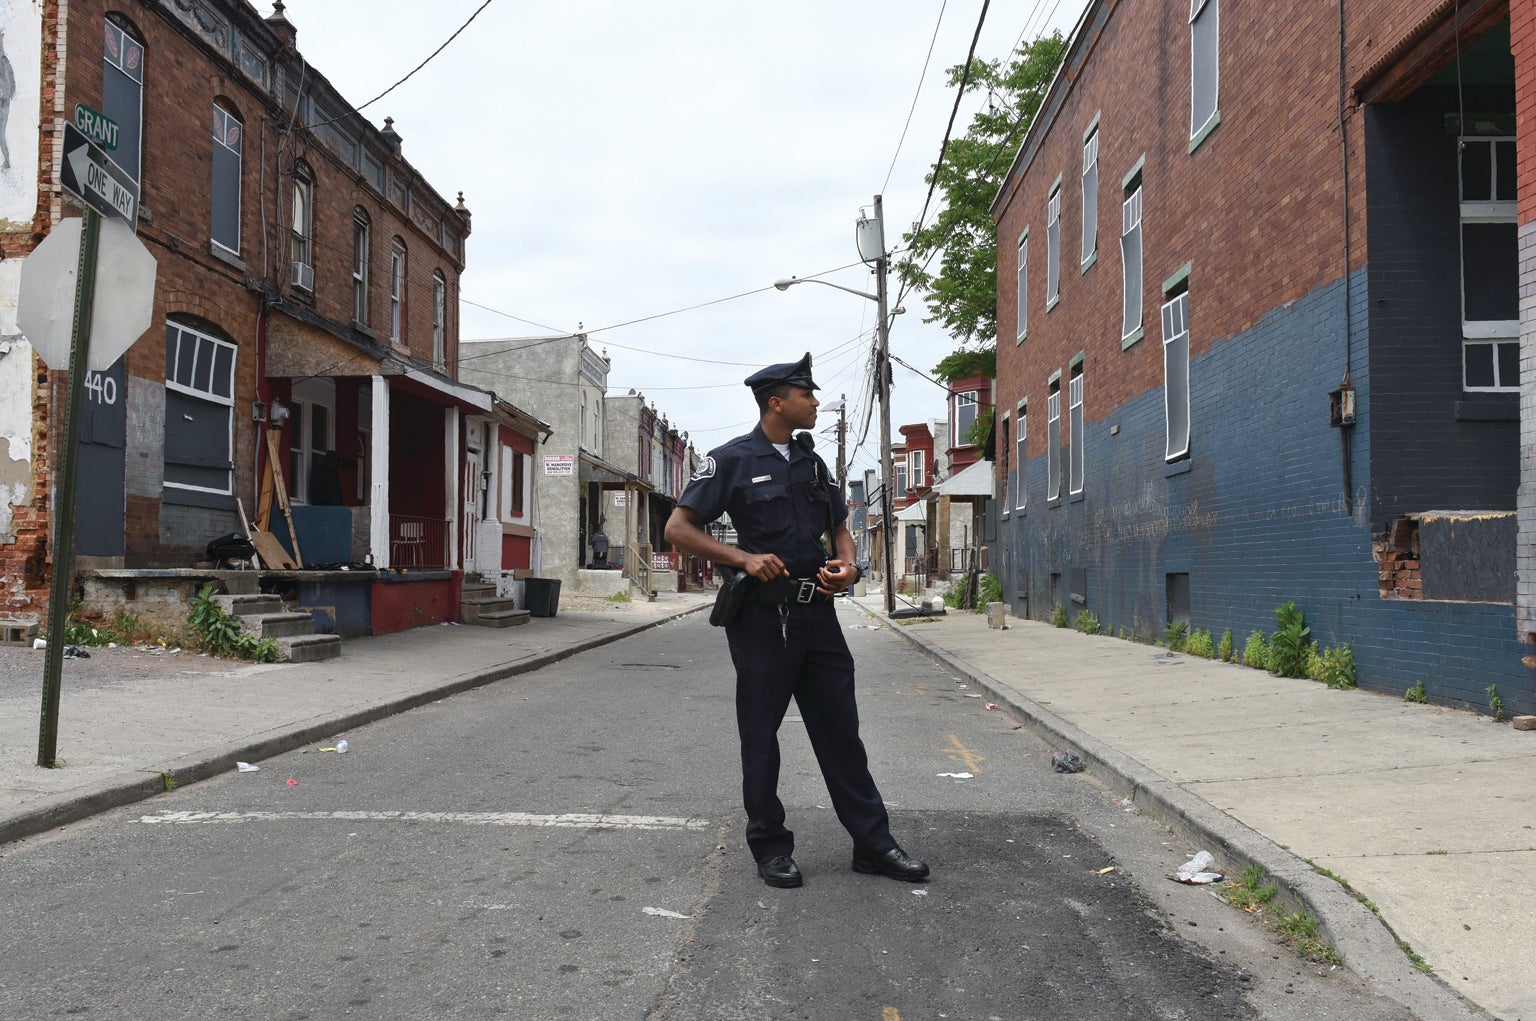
(129, 719)
(1424, 811)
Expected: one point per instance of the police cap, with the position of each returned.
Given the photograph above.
(790, 373)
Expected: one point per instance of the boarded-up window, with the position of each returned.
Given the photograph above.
(199, 410)
(1204, 75)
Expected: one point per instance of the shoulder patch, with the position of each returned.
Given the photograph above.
(705, 470)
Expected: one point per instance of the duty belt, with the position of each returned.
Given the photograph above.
(791, 590)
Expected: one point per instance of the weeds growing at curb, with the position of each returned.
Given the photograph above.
(1088, 623)
(1224, 648)
(619, 597)
(1416, 694)
(1175, 635)
(1059, 616)
(1200, 644)
(1495, 703)
(221, 636)
(1256, 652)
(1413, 957)
(1252, 894)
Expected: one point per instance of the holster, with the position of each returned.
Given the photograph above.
(735, 588)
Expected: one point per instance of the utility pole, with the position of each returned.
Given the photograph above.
(842, 439)
(883, 387)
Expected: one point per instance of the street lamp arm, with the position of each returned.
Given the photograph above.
(785, 285)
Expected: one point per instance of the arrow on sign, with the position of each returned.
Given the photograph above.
(94, 177)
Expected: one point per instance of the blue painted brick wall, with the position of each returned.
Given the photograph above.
(1260, 518)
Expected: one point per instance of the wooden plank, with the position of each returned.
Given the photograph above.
(281, 489)
(271, 552)
(245, 527)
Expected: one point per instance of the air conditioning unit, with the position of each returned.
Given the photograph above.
(304, 276)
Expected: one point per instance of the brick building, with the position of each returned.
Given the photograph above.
(1259, 337)
(306, 306)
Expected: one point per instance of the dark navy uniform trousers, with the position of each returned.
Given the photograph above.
(809, 661)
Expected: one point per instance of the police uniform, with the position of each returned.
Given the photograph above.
(787, 640)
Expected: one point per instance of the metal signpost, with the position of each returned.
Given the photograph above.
(106, 190)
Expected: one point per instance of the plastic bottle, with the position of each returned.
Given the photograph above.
(341, 747)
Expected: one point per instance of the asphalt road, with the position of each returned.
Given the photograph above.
(567, 844)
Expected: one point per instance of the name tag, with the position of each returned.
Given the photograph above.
(762, 478)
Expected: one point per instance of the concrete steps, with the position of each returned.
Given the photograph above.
(265, 616)
(480, 605)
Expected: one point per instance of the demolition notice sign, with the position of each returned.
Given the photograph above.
(560, 464)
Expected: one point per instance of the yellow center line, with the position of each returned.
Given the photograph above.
(964, 755)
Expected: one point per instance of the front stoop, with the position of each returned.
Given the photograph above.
(264, 616)
(480, 605)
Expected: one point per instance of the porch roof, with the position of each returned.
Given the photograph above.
(972, 480)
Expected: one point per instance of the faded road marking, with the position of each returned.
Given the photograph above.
(960, 753)
(572, 820)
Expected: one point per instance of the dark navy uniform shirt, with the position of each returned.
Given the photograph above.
(778, 506)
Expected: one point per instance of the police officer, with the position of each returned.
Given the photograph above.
(787, 640)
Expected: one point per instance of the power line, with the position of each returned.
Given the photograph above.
(429, 59)
(920, 79)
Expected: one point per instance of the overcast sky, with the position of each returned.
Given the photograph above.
(625, 159)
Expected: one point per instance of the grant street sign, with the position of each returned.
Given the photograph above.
(90, 175)
(96, 126)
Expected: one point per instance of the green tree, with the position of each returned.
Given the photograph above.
(962, 293)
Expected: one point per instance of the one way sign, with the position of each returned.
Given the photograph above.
(90, 174)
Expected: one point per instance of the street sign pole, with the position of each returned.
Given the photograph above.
(63, 508)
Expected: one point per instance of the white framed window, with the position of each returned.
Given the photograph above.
(303, 232)
(439, 319)
(397, 293)
(1130, 262)
(901, 478)
(1075, 444)
(199, 410)
(1176, 376)
(122, 95)
(224, 220)
(1003, 449)
(1090, 197)
(1053, 440)
(1490, 265)
(1204, 71)
(917, 474)
(311, 433)
(1053, 249)
(1020, 498)
(963, 415)
(362, 228)
(1023, 297)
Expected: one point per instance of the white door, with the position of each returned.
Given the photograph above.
(474, 482)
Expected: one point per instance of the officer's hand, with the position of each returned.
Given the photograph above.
(764, 566)
(834, 576)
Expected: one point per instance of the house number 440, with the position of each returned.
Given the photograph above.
(100, 389)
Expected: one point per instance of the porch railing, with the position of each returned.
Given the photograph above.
(637, 565)
(417, 541)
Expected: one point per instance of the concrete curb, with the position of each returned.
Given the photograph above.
(143, 784)
(1370, 949)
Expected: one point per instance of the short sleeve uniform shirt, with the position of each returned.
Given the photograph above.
(777, 506)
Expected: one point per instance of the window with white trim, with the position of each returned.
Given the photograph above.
(303, 231)
(1130, 261)
(1090, 197)
(224, 221)
(1204, 71)
(1053, 249)
(917, 476)
(361, 229)
(439, 319)
(1176, 376)
(397, 292)
(966, 404)
(901, 478)
(1003, 449)
(1053, 440)
(1490, 265)
(1075, 444)
(1023, 274)
(199, 410)
(1019, 495)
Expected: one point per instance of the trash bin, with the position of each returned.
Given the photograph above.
(543, 596)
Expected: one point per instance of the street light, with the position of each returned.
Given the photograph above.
(870, 234)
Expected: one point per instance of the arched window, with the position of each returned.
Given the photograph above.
(122, 93)
(225, 215)
(199, 407)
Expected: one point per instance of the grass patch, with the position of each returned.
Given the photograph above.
(1251, 893)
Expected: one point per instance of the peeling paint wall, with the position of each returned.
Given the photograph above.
(23, 539)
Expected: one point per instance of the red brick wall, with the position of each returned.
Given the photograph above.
(1522, 44)
(1257, 207)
